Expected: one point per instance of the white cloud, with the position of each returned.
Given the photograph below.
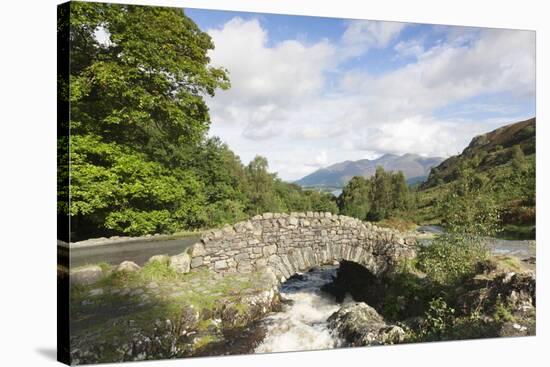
(499, 61)
(280, 105)
(362, 35)
(408, 48)
(320, 160)
(264, 75)
(421, 135)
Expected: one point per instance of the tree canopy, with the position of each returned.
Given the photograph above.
(140, 158)
(377, 197)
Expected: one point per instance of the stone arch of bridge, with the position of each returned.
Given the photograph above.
(284, 244)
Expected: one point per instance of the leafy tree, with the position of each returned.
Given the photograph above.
(137, 113)
(261, 187)
(355, 198)
(144, 86)
(116, 188)
(220, 170)
(322, 202)
(376, 198)
(292, 196)
(469, 215)
(467, 209)
(381, 195)
(141, 161)
(400, 191)
(225, 211)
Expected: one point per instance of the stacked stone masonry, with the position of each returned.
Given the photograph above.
(288, 243)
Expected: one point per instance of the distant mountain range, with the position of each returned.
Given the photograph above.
(415, 168)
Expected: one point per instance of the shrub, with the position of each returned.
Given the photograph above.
(439, 316)
(438, 321)
(502, 313)
(451, 257)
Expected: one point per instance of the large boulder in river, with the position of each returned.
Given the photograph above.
(85, 275)
(181, 263)
(358, 324)
(128, 267)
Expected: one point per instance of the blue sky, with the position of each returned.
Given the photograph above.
(308, 92)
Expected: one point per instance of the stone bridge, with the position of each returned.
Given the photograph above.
(289, 243)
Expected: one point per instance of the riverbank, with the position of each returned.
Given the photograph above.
(131, 313)
(153, 312)
(522, 249)
(498, 300)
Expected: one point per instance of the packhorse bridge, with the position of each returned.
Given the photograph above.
(289, 243)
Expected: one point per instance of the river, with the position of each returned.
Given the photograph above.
(522, 249)
(302, 324)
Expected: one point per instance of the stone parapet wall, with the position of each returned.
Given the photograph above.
(288, 243)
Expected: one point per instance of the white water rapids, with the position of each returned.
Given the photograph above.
(302, 324)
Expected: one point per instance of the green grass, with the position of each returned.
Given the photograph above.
(182, 234)
(508, 263)
(204, 341)
(105, 267)
(157, 271)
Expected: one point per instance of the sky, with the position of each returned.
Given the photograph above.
(308, 92)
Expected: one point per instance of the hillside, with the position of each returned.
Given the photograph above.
(504, 161)
(486, 152)
(414, 167)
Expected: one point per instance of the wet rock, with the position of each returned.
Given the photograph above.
(128, 267)
(239, 312)
(358, 324)
(189, 329)
(86, 275)
(296, 276)
(359, 282)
